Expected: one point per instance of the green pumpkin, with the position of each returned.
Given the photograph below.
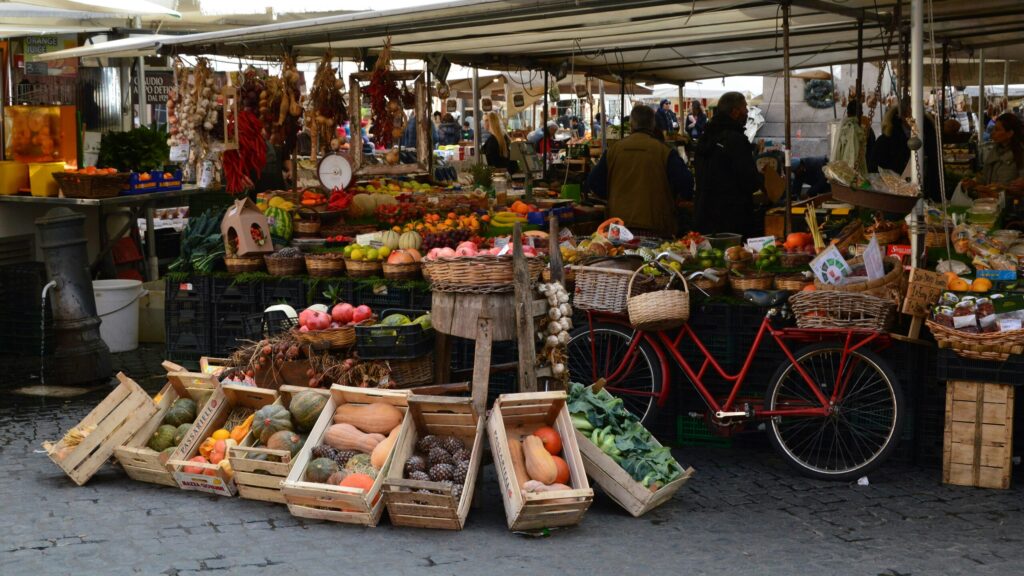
(163, 438)
(182, 411)
(270, 420)
(320, 470)
(179, 433)
(286, 440)
(305, 408)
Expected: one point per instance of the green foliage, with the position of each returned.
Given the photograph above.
(482, 175)
(139, 150)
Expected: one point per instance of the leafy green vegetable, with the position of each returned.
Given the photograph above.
(137, 150)
(201, 243)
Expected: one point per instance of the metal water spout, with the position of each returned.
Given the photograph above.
(80, 355)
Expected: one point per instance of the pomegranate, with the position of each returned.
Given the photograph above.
(361, 313)
(342, 313)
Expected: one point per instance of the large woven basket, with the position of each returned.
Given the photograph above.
(362, 268)
(415, 372)
(326, 264)
(795, 259)
(285, 266)
(992, 346)
(888, 286)
(712, 287)
(243, 264)
(820, 309)
(308, 223)
(792, 282)
(334, 338)
(935, 237)
(661, 309)
(407, 271)
(886, 236)
(607, 289)
(93, 186)
(485, 272)
(751, 281)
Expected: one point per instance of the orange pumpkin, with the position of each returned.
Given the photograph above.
(563, 470)
(549, 436)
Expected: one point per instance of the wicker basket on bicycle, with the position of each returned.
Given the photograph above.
(712, 286)
(659, 310)
(992, 346)
(824, 309)
(889, 286)
(604, 289)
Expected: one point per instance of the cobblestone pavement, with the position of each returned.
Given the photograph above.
(744, 512)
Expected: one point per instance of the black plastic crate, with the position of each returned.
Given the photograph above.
(381, 296)
(394, 342)
(189, 342)
(186, 359)
(257, 326)
(229, 326)
(187, 312)
(227, 291)
(953, 367)
(727, 331)
(291, 291)
(192, 289)
(422, 299)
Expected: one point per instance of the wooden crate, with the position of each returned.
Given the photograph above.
(142, 463)
(335, 503)
(117, 417)
(520, 415)
(214, 480)
(442, 416)
(200, 386)
(978, 444)
(619, 485)
(261, 479)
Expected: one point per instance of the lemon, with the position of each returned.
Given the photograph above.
(348, 249)
(371, 254)
(383, 252)
(357, 254)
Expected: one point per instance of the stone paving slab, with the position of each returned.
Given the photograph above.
(744, 512)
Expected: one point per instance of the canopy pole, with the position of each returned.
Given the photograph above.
(1006, 81)
(832, 77)
(860, 61)
(604, 117)
(917, 106)
(476, 114)
(544, 124)
(982, 100)
(622, 104)
(682, 110)
(143, 111)
(789, 136)
(945, 79)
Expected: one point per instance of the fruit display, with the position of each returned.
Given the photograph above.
(443, 459)
(318, 317)
(767, 257)
(355, 445)
(469, 249)
(603, 419)
(799, 243)
(538, 461)
(362, 253)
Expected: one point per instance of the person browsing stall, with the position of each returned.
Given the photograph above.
(1002, 159)
(666, 118)
(449, 131)
(543, 139)
(642, 178)
(495, 149)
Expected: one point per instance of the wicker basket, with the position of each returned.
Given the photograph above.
(793, 283)
(334, 338)
(606, 289)
(308, 223)
(710, 286)
(326, 264)
(92, 186)
(818, 309)
(886, 236)
(936, 237)
(285, 266)
(407, 271)
(568, 273)
(478, 271)
(888, 286)
(243, 264)
(751, 281)
(661, 309)
(992, 346)
(415, 372)
(362, 268)
(795, 259)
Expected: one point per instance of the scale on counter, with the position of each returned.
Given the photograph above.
(525, 155)
(335, 172)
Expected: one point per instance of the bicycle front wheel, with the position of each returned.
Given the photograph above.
(863, 428)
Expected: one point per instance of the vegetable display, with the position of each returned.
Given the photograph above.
(245, 163)
(201, 243)
(326, 107)
(618, 433)
(386, 116)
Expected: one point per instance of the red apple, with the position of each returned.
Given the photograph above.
(361, 313)
(342, 313)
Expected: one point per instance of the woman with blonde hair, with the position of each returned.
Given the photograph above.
(495, 148)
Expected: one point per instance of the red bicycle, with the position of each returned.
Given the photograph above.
(834, 408)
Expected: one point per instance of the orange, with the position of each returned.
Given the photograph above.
(949, 276)
(959, 285)
(981, 285)
(809, 288)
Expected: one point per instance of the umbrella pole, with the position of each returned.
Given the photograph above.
(789, 136)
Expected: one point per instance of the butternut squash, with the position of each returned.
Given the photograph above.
(380, 453)
(378, 417)
(515, 448)
(539, 464)
(348, 437)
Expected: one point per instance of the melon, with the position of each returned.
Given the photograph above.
(384, 200)
(362, 205)
(390, 239)
(410, 240)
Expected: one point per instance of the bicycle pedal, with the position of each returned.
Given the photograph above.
(720, 415)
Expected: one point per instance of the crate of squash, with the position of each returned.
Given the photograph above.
(262, 463)
(540, 471)
(201, 462)
(431, 482)
(339, 473)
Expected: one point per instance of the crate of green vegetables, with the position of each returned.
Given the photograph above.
(619, 454)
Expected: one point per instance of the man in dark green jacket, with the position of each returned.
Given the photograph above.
(642, 178)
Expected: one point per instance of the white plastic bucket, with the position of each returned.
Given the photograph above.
(117, 304)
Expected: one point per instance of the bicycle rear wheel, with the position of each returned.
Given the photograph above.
(863, 428)
(604, 353)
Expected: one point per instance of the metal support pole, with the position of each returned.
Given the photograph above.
(982, 100)
(945, 80)
(1006, 80)
(476, 114)
(604, 118)
(789, 136)
(682, 110)
(917, 106)
(860, 61)
(544, 123)
(622, 105)
(143, 110)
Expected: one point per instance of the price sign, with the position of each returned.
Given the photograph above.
(830, 267)
(756, 244)
(873, 260)
(923, 290)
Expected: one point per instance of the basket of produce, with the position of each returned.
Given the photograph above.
(242, 264)
(884, 231)
(661, 309)
(888, 286)
(325, 264)
(307, 222)
(104, 183)
(713, 283)
(401, 270)
(795, 259)
(604, 286)
(414, 372)
(400, 335)
(990, 346)
(741, 282)
(335, 329)
(819, 309)
(793, 282)
(487, 272)
(362, 268)
(286, 262)
(738, 258)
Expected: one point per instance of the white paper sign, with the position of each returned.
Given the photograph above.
(756, 244)
(619, 234)
(830, 267)
(206, 176)
(366, 239)
(179, 153)
(873, 260)
(501, 242)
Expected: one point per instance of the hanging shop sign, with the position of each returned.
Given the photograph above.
(35, 45)
(158, 86)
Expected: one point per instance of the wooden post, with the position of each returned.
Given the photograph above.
(482, 364)
(789, 127)
(524, 314)
(442, 357)
(555, 255)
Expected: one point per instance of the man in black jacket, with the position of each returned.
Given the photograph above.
(727, 176)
